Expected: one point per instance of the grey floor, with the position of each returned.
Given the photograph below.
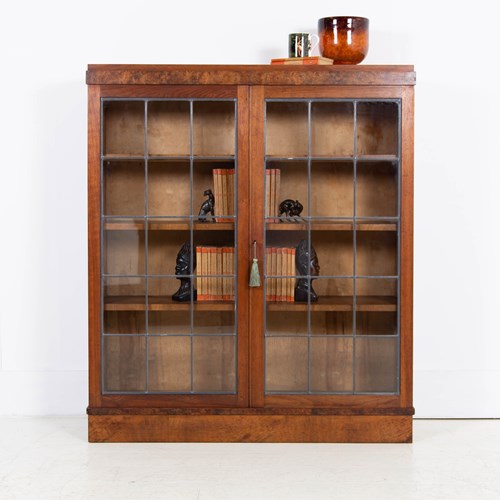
(49, 458)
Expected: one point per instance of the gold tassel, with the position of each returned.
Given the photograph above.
(254, 272)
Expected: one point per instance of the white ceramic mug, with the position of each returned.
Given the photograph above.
(301, 44)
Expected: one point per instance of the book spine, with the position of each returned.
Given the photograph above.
(205, 257)
(232, 281)
(279, 272)
(212, 263)
(224, 193)
(268, 273)
(225, 272)
(302, 60)
(217, 193)
(203, 267)
(231, 201)
(218, 268)
(277, 183)
(272, 200)
(274, 255)
(268, 192)
(198, 271)
(293, 273)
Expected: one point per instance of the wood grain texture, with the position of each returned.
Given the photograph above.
(244, 213)
(170, 91)
(373, 410)
(257, 190)
(250, 428)
(314, 91)
(406, 313)
(249, 415)
(152, 400)
(94, 244)
(109, 74)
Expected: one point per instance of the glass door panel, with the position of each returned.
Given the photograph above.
(169, 364)
(333, 313)
(124, 247)
(377, 128)
(331, 202)
(214, 364)
(286, 364)
(286, 194)
(331, 369)
(376, 306)
(332, 126)
(286, 129)
(376, 365)
(376, 253)
(124, 306)
(169, 128)
(214, 126)
(332, 189)
(169, 188)
(123, 128)
(377, 189)
(124, 182)
(124, 363)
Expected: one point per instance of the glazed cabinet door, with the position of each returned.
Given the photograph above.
(328, 171)
(171, 329)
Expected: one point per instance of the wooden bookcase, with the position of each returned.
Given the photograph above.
(233, 362)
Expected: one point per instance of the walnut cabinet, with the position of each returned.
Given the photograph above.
(322, 349)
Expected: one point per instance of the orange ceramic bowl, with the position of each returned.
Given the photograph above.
(343, 39)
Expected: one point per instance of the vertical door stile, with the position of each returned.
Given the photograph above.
(244, 212)
(256, 216)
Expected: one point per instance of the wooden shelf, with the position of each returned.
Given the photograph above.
(138, 303)
(187, 157)
(323, 158)
(332, 226)
(162, 225)
(372, 303)
(371, 158)
(367, 303)
(138, 225)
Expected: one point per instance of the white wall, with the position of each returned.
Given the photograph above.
(45, 49)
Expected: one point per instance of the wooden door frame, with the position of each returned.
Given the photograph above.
(100, 403)
(393, 404)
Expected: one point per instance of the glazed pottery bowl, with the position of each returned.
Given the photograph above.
(343, 39)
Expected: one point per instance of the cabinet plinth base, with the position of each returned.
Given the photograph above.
(251, 428)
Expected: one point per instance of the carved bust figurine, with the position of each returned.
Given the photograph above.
(307, 265)
(183, 268)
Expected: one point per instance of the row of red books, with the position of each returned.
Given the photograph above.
(273, 178)
(280, 261)
(223, 179)
(216, 262)
(311, 60)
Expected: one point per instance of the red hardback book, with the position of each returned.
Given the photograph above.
(302, 60)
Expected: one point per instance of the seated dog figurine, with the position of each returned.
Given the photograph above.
(207, 207)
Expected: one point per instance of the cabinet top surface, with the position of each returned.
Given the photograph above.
(140, 74)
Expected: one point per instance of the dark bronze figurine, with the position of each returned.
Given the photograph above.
(291, 208)
(207, 207)
(307, 265)
(183, 268)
